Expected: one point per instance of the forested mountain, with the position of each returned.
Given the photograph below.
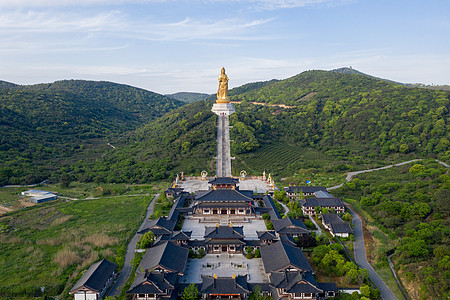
(44, 126)
(188, 97)
(329, 119)
(6, 84)
(340, 118)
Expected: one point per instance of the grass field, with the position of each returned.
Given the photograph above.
(50, 244)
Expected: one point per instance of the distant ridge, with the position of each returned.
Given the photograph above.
(8, 85)
(188, 97)
(350, 70)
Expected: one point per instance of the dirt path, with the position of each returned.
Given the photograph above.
(266, 104)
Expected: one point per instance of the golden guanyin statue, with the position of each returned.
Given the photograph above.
(222, 93)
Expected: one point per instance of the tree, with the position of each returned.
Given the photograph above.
(190, 293)
(347, 217)
(365, 291)
(65, 180)
(257, 253)
(201, 253)
(417, 168)
(257, 295)
(249, 251)
(146, 240)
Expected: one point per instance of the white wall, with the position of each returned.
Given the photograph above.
(81, 296)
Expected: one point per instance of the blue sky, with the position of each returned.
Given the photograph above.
(168, 46)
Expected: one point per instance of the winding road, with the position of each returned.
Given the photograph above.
(361, 258)
(359, 247)
(127, 268)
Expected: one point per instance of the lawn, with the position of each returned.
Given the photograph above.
(50, 244)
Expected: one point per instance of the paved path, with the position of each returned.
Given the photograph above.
(318, 230)
(286, 209)
(361, 258)
(351, 174)
(127, 268)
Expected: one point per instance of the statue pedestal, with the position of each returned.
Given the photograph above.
(223, 163)
(223, 109)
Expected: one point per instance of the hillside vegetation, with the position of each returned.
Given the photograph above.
(43, 125)
(336, 122)
(188, 97)
(410, 205)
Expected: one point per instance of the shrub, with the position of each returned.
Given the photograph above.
(146, 240)
(257, 253)
(191, 253)
(201, 253)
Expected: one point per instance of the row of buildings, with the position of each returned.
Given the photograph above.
(287, 271)
(289, 274)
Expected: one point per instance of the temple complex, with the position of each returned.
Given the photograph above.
(219, 230)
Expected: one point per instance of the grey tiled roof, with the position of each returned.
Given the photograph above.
(280, 256)
(304, 189)
(224, 195)
(159, 226)
(323, 202)
(323, 194)
(181, 235)
(224, 285)
(336, 223)
(224, 180)
(167, 256)
(268, 202)
(252, 243)
(299, 282)
(266, 235)
(223, 204)
(96, 276)
(224, 232)
(153, 283)
(290, 226)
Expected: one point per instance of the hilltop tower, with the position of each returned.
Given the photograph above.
(223, 108)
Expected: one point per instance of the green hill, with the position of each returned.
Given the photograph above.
(44, 126)
(188, 97)
(336, 122)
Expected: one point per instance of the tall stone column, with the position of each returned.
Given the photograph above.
(223, 108)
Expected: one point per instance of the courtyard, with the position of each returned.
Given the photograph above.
(256, 185)
(224, 265)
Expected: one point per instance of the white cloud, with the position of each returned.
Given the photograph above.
(188, 29)
(50, 22)
(24, 27)
(63, 3)
(262, 4)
